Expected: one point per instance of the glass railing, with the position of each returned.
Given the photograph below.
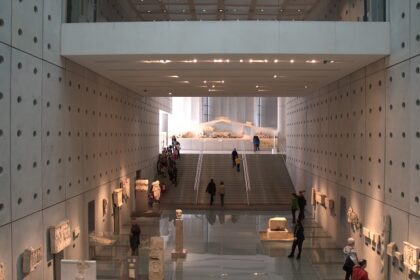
(223, 10)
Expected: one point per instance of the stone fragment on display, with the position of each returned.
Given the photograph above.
(411, 256)
(60, 236)
(277, 224)
(2, 272)
(156, 190)
(331, 204)
(390, 249)
(117, 197)
(142, 185)
(31, 259)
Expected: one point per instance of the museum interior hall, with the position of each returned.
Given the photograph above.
(209, 139)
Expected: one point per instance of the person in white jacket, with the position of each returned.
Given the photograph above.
(351, 257)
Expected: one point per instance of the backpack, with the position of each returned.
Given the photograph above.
(348, 264)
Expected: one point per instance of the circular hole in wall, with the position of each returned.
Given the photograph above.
(19, 200)
(1, 132)
(19, 99)
(390, 190)
(418, 134)
(418, 6)
(403, 164)
(20, 32)
(379, 187)
(48, 191)
(49, 46)
(417, 70)
(1, 206)
(1, 22)
(417, 166)
(1, 59)
(19, 133)
(416, 199)
(402, 15)
(34, 133)
(35, 196)
(390, 162)
(403, 74)
(35, 9)
(19, 65)
(402, 194)
(1, 95)
(34, 164)
(402, 45)
(418, 37)
(60, 187)
(35, 39)
(34, 102)
(49, 17)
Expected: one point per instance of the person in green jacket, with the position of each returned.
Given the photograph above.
(295, 206)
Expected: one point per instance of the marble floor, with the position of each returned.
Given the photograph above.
(226, 245)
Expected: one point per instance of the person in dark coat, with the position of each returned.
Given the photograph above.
(234, 156)
(302, 205)
(299, 238)
(135, 239)
(294, 207)
(211, 189)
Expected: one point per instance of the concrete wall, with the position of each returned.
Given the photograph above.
(67, 136)
(357, 141)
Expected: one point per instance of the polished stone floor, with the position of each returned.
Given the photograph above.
(226, 245)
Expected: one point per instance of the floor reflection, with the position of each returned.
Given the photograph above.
(226, 245)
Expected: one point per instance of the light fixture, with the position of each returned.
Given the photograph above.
(227, 60)
(205, 82)
(281, 10)
(332, 61)
(265, 60)
(204, 10)
(184, 82)
(183, 10)
(306, 86)
(251, 60)
(241, 60)
(311, 61)
(213, 86)
(174, 76)
(257, 86)
(262, 10)
(223, 81)
(276, 60)
(218, 60)
(292, 61)
(275, 76)
(298, 10)
(195, 60)
(220, 10)
(164, 61)
(149, 11)
(170, 93)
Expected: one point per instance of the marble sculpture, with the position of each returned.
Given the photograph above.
(353, 218)
(156, 190)
(117, 197)
(142, 185)
(156, 258)
(411, 256)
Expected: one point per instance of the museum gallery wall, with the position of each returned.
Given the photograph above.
(67, 137)
(357, 142)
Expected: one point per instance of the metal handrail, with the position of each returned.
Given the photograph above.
(246, 174)
(198, 174)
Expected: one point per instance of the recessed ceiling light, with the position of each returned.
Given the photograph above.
(306, 86)
(221, 10)
(213, 86)
(251, 60)
(311, 61)
(184, 82)
(174, 76)
(275, 76)
(292, 61)
(227, 60)
(257, 86)
(265, 60)
(164, 61)
(170, 93)
(276, 60)
(299, 10)
(281, 10)
(195, 60)
(262, 10)
(332, 61)
(205, 82)
(149, 11)
(204, 10)
(223, 81)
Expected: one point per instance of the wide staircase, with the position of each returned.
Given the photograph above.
(219, 167)
(183, 193)
(269, 179)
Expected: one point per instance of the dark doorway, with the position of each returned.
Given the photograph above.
(91, 216)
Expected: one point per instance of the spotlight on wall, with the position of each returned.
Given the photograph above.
(292, 61)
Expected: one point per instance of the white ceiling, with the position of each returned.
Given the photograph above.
(200, 75)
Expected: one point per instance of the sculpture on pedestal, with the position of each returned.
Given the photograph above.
(353, 218)
(156, 258)
(117, 197)
(277, 230)
(179, 251)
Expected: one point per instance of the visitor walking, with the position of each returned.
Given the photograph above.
(135, 238)
(302, 205)
(211, 189)
(238, 164)
(256, 142)
(294, 206)
(222, 190)
(234, 156)
(299, 236)
(359, 272)
(351, 258)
